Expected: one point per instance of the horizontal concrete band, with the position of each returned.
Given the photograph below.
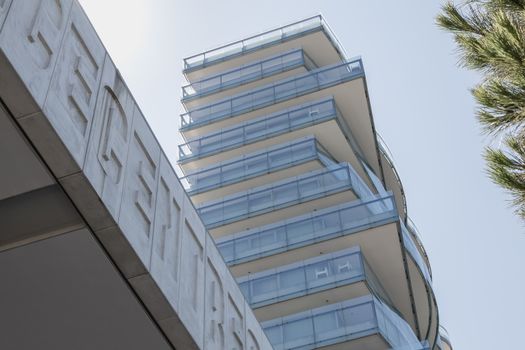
(61, 86)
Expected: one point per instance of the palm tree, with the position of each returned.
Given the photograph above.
(490, 35)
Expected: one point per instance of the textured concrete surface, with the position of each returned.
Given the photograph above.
(60, 85)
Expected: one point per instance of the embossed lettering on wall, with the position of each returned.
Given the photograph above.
(83, 82)
(195, 252)
(143, 195)
(72, 95)
(114, 141)
(215, 308)
(251, 341)
(44, 35)
(171, 219)
(4, 6)
(236, 324)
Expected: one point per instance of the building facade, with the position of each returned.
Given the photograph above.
(283, 163)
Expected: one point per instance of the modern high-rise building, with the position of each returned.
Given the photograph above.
(284, 165)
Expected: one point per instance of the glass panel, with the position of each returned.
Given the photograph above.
(314, 275)
(227, 250)
(347, 267)
(355, 216)
(230, 138)
(251, 72)
(211, 214)
(274, 334)
(262, 97)
(359, 318)
(251, 165)
(338, 220)
(310, 186)
(326, 224)
(276, 124)
(277, 65)
(285, 193)
(298, 333)
(301, 116)
(235, 208)
(410, 246)
(300, 231)
(273, 239)
(319, 274)
(329, 326)
(292, 282)
(302, 150)
(256, 164)
(264, 288)
(231, 172)
(257, 98)
(280, 157)
(245, 289)
(306, 83)
(256, 129)
(284, 90)
(245, 74)
(209, 144)
(220, 109)
(247, 246)
(254, 42)
(341, 322)
(242, 103)
(259, 201)
(231, 78)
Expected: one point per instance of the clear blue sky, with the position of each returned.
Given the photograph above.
(422, 108)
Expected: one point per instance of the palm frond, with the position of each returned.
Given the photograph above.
(507, 169)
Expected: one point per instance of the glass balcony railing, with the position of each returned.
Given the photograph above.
(252, 165)
(259, 129)
(412, 228)
(307, 229)
(309, 276)
(248, 73)
(443, 338)
(279, 195)
(259, 41)
(271, 94)
(383, 149)
(424, 346)
(341, 322)
(411, 247)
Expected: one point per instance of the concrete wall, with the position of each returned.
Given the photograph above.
(58, 82)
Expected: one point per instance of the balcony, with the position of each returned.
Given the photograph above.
(307, 229)
(291, 62)
(313, 34)
(344, 82)
(256, 169)
(279, 196)
(416, 236)
(418, 263)
(371, 223)
(392, 179)
(366, 322)
(411, 247)
(315, 80)
(443, 342)
(309, 283)
(421, 282)
(259, 129)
